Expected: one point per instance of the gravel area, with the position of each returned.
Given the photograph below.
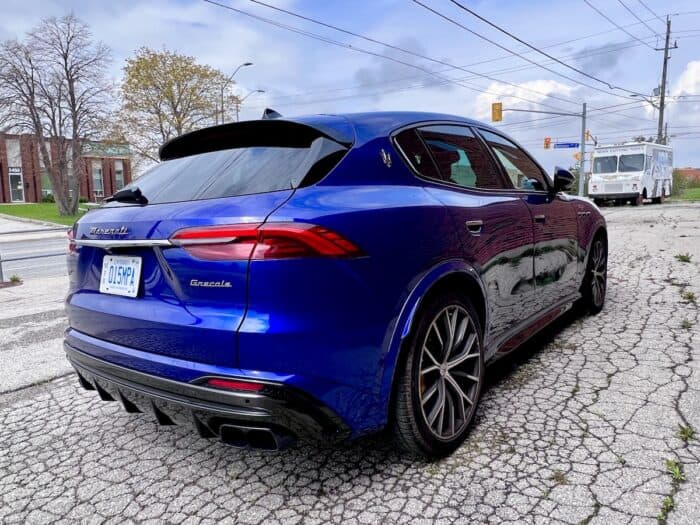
(580, 426)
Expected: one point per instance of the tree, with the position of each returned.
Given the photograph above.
(165, 94)
(53, 84)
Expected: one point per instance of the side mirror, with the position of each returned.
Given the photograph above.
(563, 180)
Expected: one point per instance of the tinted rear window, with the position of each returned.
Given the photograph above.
(239, 171)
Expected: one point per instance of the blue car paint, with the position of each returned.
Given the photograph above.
(330, 327)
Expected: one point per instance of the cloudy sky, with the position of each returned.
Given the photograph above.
(440, 66)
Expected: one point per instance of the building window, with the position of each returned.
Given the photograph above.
(97, 180)
(118, 174)
(45, 183)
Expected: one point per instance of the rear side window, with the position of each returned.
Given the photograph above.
(460, 157)
(239, 171)
(524, 173)
(416, 153)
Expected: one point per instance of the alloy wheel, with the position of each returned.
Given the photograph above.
(598, 270)
(449, 372)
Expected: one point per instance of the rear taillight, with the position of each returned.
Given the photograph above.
(233, 384)
(267, 241)
(72, 247)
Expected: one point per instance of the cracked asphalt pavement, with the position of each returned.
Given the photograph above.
(582, 425)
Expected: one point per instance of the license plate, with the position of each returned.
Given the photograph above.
(120, 275)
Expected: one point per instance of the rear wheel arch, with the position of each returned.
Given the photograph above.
(462, 281)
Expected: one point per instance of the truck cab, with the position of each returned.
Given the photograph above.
(631, 172)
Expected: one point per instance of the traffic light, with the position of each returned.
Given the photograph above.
(547, 142)
(588, 135)
(577, 155)
(497, 112)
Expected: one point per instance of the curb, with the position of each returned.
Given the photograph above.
(32, 221)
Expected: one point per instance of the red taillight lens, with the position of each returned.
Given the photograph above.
(72, 247)
(267, 241)
(231, 384)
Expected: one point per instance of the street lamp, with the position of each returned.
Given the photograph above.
(228, 80)
(239, 102)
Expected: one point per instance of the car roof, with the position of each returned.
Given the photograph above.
(375, 124)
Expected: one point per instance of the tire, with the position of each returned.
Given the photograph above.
(595, 280)
(636, 201)
(439, 424)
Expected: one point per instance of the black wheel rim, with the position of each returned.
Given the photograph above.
(449, 372)
(598, 273)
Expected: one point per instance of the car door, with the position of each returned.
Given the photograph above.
(493, 224)
(554, 223)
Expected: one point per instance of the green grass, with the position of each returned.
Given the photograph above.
(686, 433)
(674, 468)
(666, 507)
(690, 194)
(688, 296)
(45, 211)
(683, 257)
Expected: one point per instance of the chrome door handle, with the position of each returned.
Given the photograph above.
(474, 227)
(540, 218)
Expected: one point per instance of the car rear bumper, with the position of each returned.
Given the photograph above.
(271, 418)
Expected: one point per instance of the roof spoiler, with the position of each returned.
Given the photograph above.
(270, 113)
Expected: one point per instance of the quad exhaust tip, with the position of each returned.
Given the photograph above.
(255, 437)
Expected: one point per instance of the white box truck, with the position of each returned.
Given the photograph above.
(631, 172)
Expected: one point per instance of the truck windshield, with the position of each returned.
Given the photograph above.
(632, 162)
(605, 164)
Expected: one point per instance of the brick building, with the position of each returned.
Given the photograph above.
(690, 173)
(105, 168)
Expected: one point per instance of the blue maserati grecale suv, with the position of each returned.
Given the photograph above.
(326, 276)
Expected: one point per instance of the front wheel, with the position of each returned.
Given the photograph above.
(595, 280)
(440, 379)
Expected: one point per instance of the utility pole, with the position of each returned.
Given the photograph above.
(582, 171)
(662, 100)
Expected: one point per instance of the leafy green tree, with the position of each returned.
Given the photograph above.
(163, 95)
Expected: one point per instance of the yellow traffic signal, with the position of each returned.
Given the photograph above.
(547, 142)
(588, 135)
(497, 112)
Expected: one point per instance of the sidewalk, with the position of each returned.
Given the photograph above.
(32, 321)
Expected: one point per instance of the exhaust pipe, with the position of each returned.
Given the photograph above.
(255, 437)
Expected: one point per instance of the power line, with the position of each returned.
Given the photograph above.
(615, 23)
(527, 44)
(635, 16)
(652, 12)
(515, 53)
(403, 50)
(345, 45)
(280, 100)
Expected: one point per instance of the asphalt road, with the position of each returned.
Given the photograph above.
(579, 426)
(26, 244)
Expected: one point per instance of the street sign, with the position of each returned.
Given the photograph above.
(560, 145)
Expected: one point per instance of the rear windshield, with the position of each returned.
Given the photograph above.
(632, 162)
(239, 171)
(605, 164)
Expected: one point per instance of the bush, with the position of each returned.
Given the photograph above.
(680, 183)
(83, 200)
(48, 198)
